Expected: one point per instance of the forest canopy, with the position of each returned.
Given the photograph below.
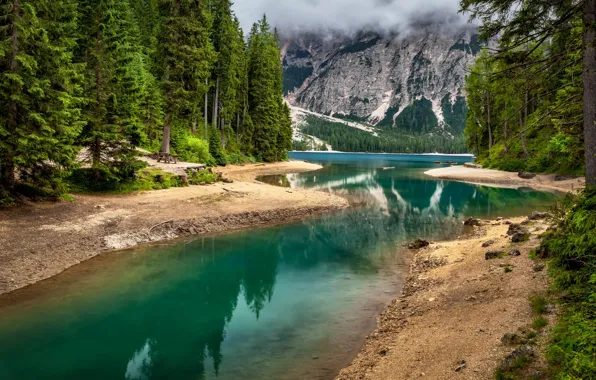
(85, 83)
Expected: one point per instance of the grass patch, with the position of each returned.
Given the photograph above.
(508, 269)
(203, 177)
(539, 304)
(539, 323)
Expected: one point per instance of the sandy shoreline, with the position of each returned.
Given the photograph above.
(544, 182)
(41, 240)
(456, 307)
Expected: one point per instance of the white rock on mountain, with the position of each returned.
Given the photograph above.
(414, 82)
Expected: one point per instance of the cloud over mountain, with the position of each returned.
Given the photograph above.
(348, 15)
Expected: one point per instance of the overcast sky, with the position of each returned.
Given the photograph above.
(346, 15)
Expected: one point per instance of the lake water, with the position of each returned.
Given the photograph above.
(288, 302)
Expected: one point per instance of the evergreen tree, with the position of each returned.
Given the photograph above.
(215, 148)
(39, 92)
(187, 55)
(264, 98)
(117, 82)
(533, 24)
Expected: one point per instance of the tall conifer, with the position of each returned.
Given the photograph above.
(39, 91)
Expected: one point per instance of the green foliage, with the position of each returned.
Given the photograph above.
(388, 121)
(215, 148)
(570, 248)
(418, 117)
(294, 77)
(539, 323)
(344, 138)
(238, 158)
(539, 304)
(271, 137)
(191, 148)
(89, 80)
(455, 114)
(203, 177)
(40, 94)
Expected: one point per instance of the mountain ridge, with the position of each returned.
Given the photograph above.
(411, 82)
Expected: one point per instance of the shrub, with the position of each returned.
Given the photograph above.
(215, 147)
(539, 323)
(193, 149)
(539, 304)
(571, 246)
(203, 176)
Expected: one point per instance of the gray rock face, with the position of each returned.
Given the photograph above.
(376, 78)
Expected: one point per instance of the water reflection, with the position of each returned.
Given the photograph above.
(257, 304)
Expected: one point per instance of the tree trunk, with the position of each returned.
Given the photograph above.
(7, 170)
(490, 132)
(216, 104)
(525, 125)
(206, 108)
(165, 144)
(96, 147)
(589, 79)
(223, 133)
(238, 128)
(505, 137)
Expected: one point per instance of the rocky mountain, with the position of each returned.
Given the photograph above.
(411, 83)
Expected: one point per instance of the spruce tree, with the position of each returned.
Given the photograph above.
(117, 83)
(536, 23)
(186, 54)
(265, 95)
(39, 92)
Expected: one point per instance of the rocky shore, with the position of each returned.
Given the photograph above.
(465, 308)
(41, 240)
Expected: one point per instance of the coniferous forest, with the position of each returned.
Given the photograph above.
(532, 106)
(526, 93)
(85, 83)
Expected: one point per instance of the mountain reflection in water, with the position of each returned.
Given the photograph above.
(251, 305)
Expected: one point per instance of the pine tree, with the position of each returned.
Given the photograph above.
(536, 23)
(265, 94)
(39, 92)
(117, 80)
(186, 55)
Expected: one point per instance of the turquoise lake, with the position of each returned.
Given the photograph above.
(287, 302)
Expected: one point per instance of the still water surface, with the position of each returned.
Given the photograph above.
(288, 302)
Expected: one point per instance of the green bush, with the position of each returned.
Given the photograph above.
(215, 147)
(193, 149)
(539, 304)
(237, 158)
(571, 248)
(203, 176)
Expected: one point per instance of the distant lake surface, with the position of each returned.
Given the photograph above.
(288, 302)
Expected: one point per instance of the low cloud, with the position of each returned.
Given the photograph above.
(348, 16)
